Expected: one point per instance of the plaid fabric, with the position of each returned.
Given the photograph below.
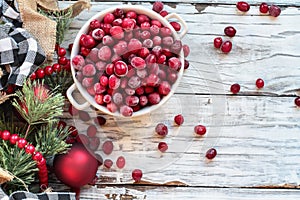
(42, 196)
(18, 48)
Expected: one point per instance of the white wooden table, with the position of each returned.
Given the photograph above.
(256, 132)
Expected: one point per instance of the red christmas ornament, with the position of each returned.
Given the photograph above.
(76, 168)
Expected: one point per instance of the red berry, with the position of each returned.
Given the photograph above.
(22, 143)
(211, 153)
(158, 6)
(100, 120)
(84, 116)
(33, 76)
(108, 163)
(264, 8)
(61, 124)
(87, 41)
(178, 119)
(29, 149)
(259, 83)
(5, 135)
(154, 98)
(117, 32)
(72, 110)
(37, 156)
(95, 24)
(92, 130)
(242, 6)
(40, 73)
(230, 31)
(163, 13)
(137, 175)
(235, 88)
(297, 101)
(121, 162)
(161, 129)
(120, 68)
(176, 26)
(218, 42)
(107, 147)
(274, 11)
(72, 130)
(56, 67)
(200, 130)
(48, 70)
(61, 52)
(162, 146)
(14, 138)
(226, 46)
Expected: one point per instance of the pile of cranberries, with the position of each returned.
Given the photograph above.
(128, 61)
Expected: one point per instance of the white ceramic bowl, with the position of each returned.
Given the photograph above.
(75, 50)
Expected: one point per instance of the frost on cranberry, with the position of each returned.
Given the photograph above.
(158, 6)
(274, 10)
(161, 129)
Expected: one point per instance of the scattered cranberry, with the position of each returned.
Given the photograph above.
(259, 83)
(84, 116)
(235, 88)
(161, 129)
(274, 11)
(94, 143)
(107, 147)
(218, 42)
(230, 31)
(211, 153)
(137, 175)
(108, 163)
(297, 101)
(158, 6)
(176, 26)
(121, 162)
(164, 13)
(100, 120)
(264, 8)
(226, 47)
(243, 6)
(178, 119)
(92, 130)
(162, 147)
(200, 130)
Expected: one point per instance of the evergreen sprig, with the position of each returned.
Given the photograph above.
(37, 108)
(62, 81)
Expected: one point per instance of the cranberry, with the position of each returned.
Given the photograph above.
(89, 70)
(165, 31)
(94, 143)
(87, 41)
(40, 73)
(164, 88)
(114, 82)
(98, 34)
(84, 51)
(107, 147)
(61, 124)
(226, 46)
(126, 111)
(218, 42)
(119, 13)
(117, 98)
(259, 83)
(155, 24)
(112, 107)
(120, 162)
(108, 18)
(117, 32)
(235, 88)
(154, 98)
(117, 22)
(211, 153)
(48, 70)
(120, 68)
(63, 60)
(163, 13)
(148, 43)
(274, 11)
(131, 14)
(158, 6)
(172, 77)
(178, 119)
(33, 76)
(103, 80)
(161, 129)
(142, 18)
(91, 130)
(56, 67)
(87, 82)
(84, 116)
(134, 45)
(94, 24)
(143, 100)
(162, 147)
(156, 40)
(106, 98)
(98, 88)
(297, 101)
(186, 64)
(128, 24)
(230, 31)
(242, 6)
(99, 98)
(137, 175)
(167, 41)
(100, 120)
(161, 59)
(176, 26)
(108, 163)
(61, 52)
(107, 40)
(174, 63)
(72, 131)
(109, 69)
(144, 52)
(104, 53)
(177, 46)
(200, 129)
(120, 48)
(264, 8)
(78, 62)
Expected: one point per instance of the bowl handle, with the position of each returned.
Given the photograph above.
(73, 101)
(181, 21)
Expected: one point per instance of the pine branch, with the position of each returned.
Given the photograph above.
(62, 81)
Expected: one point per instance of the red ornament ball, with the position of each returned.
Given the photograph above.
(76, 168)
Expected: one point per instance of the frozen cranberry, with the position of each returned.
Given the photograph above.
(143, 100)
(165, 31)
(120, 162)
(156, 40)
(172, 77)
(144, 52)
(157, 6)
(149, 90)
(120, 48)
(167, 41)
(107, 147)
(137, 175)
(145, 35)
(177, 46)
(174, 63)
(78, 62)
(154, 29)
(117, 22)
(142, 18)
(117, 32)
(99, 99)
(274, 11)
(264, 8)
(176, 26)
(163, 13)
(230, 31)
(178, 119)
(226, 46)
(162, 147)
(108, 18)
(108, 163)
(126, 111)
(142, 73)
(84, 116)
(61, 52)
(157, 50)
(87, 82)
(94, 24)
(138, 63)
(100, 120)
(103, 80)
(161, 59)
(106, 98)
(155, 24)
(113, 82)
(87, 41)
(243, 6)
(98, 88)
(164, 88)
(128, 24)
(148, 43)
(91, 130)
(297, 101)
(211, 153)
(117, 98)
(104, 53)
(200, 129)
(161, 129)
(112, 107)
(89, 70)
(259, 83)
(235, 88)
(120, 68)
(98, 34)
(131, 14)
(134, 45)
(119, 13)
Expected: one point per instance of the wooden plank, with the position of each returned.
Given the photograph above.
(263, 47)
(191, 193)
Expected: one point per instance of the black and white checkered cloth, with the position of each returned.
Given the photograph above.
(20, 53)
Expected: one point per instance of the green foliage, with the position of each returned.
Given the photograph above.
(36, 109)
(62, 81)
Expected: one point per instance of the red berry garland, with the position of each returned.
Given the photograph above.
(22, 143)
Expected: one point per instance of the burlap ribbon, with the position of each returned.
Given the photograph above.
(43, 28)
